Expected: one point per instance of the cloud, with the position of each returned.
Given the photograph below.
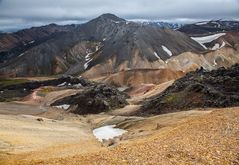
(32, 12)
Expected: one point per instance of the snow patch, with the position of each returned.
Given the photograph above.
(31, 42)
(107, 132)
(216, 46)
(87, 60)
(63, 106)
(215, 63)
(156, 55)
(223, 44)
(167, 50)
(201, 23)
(207, 39)
(21, 55)
(116, 22)
(62, 84)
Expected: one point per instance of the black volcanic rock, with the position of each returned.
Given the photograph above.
(95, 99)
(200, 89)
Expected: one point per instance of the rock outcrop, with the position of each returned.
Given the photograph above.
(94, 99)
(200, 89)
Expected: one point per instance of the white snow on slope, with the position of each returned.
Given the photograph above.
(201, 23)
(116, 22)
(223, 44)
(217, 46)
(215, 63)
(87, 60)
(62, 84)
(207, 39)
(21, 55)
(31, 42)
(107, 132)
(167, 50)
(156, 55)
(64, 106)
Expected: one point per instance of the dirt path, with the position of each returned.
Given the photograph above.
(15, 108)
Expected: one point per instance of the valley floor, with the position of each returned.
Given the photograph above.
(55, 137)
(206, 139)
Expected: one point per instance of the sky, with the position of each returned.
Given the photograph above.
(17, 14)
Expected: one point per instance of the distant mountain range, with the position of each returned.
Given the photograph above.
(160, 24)
(213, 26)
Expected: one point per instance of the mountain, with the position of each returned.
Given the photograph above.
(215, 34)
(101, 46)
(199, 89)
(160, 24)
(13, 44)
(207, 27)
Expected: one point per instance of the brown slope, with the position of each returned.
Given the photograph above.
(197, 140)
(132, 78)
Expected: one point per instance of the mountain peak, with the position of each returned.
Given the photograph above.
(109, 16)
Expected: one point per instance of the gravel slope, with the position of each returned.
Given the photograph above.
(208, 139)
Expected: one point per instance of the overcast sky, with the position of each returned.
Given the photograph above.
(25, 13)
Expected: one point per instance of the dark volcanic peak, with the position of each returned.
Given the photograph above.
(107, 18)
(57, 49)
(110, 17)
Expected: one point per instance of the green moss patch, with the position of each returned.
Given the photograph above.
(9, 82)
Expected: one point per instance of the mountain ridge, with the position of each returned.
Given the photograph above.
(115, 39)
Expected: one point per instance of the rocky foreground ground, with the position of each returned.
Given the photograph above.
(34, 132)
(209, 139)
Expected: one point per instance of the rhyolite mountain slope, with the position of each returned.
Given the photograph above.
(199, 89)
(107, 42)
